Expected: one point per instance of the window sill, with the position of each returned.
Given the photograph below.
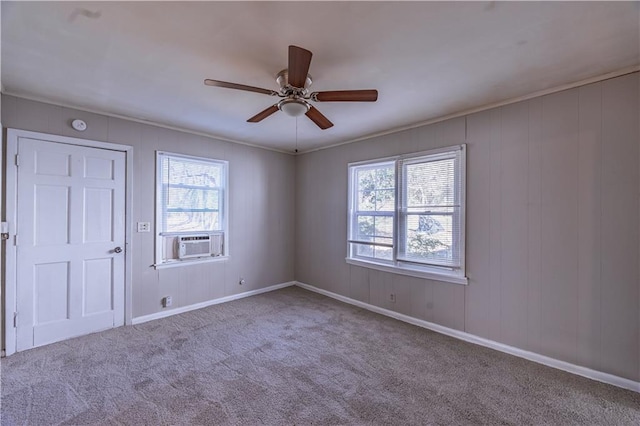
(412, 272)
(178, 263)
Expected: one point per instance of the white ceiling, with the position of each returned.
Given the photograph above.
(148, 60)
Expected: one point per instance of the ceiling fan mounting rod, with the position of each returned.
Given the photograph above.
(286, 89)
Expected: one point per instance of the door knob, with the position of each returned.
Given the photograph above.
(118, 250)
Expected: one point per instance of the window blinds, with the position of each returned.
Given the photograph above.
(192, 194)
(429, 209)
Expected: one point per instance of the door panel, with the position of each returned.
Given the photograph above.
(71, 209)
(52, 163)
(98, 215)
(98, 168)
(98, 285)
(51, 213)
(51, 292)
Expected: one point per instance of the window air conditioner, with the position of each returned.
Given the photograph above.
(201, 245)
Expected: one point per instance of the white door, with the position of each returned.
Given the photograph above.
(70, 241)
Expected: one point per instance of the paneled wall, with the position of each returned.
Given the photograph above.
(553, 240)
(261, 205)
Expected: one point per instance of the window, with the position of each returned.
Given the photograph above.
(191, 199)
(406, 214)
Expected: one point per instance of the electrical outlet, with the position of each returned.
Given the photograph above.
(167, 301)
(392, 298)
(144, 227)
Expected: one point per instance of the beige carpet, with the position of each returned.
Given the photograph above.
(293, 357)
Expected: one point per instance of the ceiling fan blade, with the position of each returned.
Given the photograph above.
(346, 96)
(263, 114)
(227, 85)
(299, 62)
(317, 117)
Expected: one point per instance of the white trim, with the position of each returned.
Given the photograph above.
(375, 162)
(467, 337)
(584, 82)
(67, 140)
(178, 263)
(183, 309)
(13, 135)
(463, 209)
(422, 272)
(157, 229)
(2, 242)
(10, 188)
(128, 237)
(205, 160)
(392, 159)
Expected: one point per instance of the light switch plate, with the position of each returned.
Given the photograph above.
(144, 227)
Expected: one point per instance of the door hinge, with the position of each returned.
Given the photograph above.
(15, 240)
(15, 320)
(17, 160)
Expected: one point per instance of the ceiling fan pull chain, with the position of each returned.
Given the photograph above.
(296, 135)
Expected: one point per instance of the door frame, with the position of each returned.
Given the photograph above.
(11, 189)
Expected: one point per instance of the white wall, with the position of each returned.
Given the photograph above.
(261, 201)
(553, 241)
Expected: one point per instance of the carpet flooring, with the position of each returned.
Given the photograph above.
(293, 357)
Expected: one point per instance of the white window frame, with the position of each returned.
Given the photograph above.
(397, 265)
(160, 234)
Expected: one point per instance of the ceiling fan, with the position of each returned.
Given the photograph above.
(294, 90)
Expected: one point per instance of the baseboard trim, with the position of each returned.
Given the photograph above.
(471, 338)
(182, 309)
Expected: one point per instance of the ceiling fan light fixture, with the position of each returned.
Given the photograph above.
(293, 107)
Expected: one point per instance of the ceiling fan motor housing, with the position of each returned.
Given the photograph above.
(293, 104)
(282, 78)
